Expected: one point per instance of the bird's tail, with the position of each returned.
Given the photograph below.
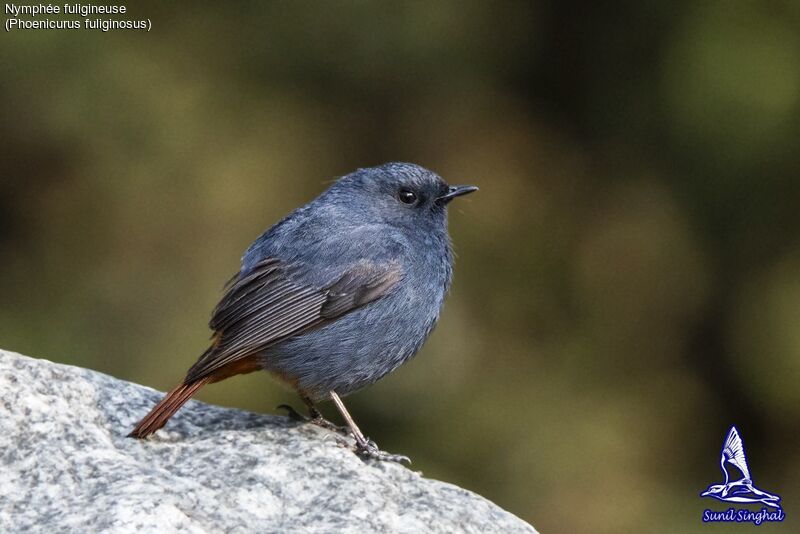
(165, 409)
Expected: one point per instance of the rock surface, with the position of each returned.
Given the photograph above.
(66, 465)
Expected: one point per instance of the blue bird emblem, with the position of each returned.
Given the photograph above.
(738, 486)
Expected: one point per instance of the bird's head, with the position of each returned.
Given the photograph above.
(713, 490)
(402, 194)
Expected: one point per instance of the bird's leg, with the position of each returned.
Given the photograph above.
(313, 417)
(317, 419)
(364, 446)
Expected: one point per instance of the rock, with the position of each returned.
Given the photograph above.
(66, 465)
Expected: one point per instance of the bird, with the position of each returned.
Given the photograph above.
(742, 489)
(334, 296)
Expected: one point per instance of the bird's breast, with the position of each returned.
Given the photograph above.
(365, 344)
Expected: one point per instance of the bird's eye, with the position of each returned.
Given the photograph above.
(407, 196)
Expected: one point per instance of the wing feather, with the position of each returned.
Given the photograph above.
(267, 305)
(359, 286)
(733, 451)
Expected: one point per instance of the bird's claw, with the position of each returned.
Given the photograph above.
(318, 420)
(292, 413)
(370, 450)
(367, 449)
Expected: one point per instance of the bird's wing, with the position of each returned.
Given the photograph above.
(733, 452)
(268, 305)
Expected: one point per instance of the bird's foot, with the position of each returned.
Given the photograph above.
(293, 414)
(316, 419)
(369, 449)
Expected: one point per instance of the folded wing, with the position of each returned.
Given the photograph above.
(267, 305)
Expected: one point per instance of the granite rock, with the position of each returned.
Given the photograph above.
(66, 466)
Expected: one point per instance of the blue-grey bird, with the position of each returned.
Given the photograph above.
(336, 295)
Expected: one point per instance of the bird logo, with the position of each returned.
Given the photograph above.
(738, 486)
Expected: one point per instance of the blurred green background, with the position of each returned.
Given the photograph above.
(628, 277)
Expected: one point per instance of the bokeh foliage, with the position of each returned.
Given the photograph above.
(628, 278)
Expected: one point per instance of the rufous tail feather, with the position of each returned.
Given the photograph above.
(165, 409)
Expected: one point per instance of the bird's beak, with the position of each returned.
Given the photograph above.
(455, 191)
